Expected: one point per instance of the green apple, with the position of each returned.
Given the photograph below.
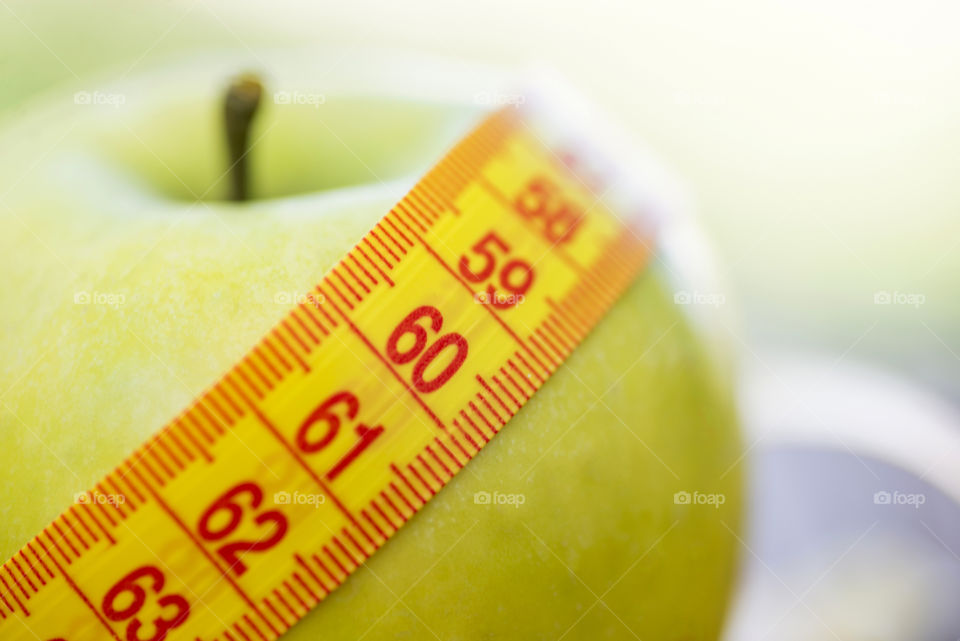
(130, 285)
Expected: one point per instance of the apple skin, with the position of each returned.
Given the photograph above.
(101, 202)
(599, 516)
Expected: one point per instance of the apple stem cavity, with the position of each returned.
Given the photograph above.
(239, 108)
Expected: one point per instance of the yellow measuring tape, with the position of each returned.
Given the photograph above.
(408, 357)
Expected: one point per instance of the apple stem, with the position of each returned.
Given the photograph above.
(239, 107)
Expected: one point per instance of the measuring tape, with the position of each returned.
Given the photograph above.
(414, 350)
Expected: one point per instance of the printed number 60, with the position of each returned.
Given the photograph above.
(426, 355)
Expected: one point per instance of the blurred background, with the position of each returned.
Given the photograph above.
(819, 141)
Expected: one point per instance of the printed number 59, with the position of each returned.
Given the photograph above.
(515, 277)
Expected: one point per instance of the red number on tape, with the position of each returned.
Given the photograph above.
(507, 277)
(230, 552)
(409, 326)
(130, 585)
(325, 414)
(542, 201)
